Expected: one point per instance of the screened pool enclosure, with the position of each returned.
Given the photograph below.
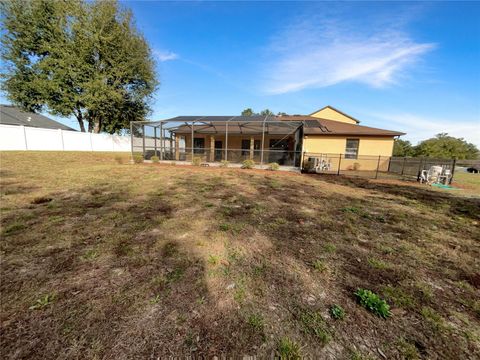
(213, 139)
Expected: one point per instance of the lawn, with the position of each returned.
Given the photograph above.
(109, 260)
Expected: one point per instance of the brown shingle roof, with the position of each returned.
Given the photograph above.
(312, 126)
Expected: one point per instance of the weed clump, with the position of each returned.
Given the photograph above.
(196, 161)
(155, 159)
(288, 349)
(248, 164)
(273, 166)
(224, 163)
(137, 158)
(372, 302)
(42, 302)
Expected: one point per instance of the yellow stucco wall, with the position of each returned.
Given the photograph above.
(331, 114)
(369, 148)
(368, 145)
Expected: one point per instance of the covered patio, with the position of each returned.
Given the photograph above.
(215, 139)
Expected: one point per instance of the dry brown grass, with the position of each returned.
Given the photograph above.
(140, 261)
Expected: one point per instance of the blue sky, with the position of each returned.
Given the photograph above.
(413, 67)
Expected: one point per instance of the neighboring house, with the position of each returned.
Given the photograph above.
(326, 133)
(11, 115)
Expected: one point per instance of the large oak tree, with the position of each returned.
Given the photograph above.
(77, 58)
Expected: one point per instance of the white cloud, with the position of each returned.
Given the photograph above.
(165, 55)
(315, 54)
(420, 127)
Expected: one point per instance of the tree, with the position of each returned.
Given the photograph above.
(77, 58)
(248, 112)
(445, 146)
(266, 112)
(403, 148)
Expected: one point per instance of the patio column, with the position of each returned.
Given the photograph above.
(226, 142)
(252, 147)
(193, 123)
(212, 148)
(155, 139)
(177, 147)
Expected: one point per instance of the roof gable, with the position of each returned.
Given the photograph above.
(11, 115)
(330, 113)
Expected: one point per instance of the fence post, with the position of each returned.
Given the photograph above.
(453, 170)
(131, 139)
(24, 136)
(143, 141)
(403, 166)
(61, 139)
(378, 165)
(420, 168)
(91, 141)
(339, 163)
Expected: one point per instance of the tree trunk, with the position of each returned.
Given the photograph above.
(79, 117)
(90, 125)
(98, 126)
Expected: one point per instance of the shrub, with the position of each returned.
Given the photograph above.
(248, 164)
(119, 159)
(137, 158)
(155, 159)
(196, 161)
(288, 349)
(372, 302)
(307, 166)
(273, 166)
(319, 265)
(337, 312)
(224, 163)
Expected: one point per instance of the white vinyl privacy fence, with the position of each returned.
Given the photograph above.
(30, 138)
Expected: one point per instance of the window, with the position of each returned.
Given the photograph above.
(198, 145)
(245, 147)
(351, 151)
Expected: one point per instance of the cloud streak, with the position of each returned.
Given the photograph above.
(316, 54)
(165, 55)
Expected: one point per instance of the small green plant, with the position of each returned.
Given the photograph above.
(155, 300)
(288, 349)
(224, 163)
(137, 158)
(196, 161)
(224, 227)
(42, 302)
(119, 159)
(89, 255)
(256, 322)
(351, 209)
(330, 248)
(337, 312)
(155, 159)
(377, 264)
(319, 265)
(273, 166)
(372, 302)
(213, 260)
(248, 164)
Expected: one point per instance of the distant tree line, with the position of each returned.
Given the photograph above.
(440, 146)
(250, 112)
(77, 58)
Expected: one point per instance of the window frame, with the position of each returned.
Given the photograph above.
(198, 149)
(350, 152)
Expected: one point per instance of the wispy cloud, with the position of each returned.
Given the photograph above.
(318, 53)
(420, 127)
(165, 55)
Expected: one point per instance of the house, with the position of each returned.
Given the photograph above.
(11, 115)
(327, 135)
